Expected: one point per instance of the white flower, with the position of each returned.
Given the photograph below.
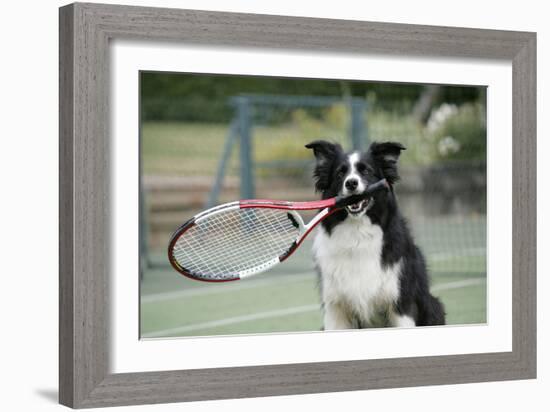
(440, 115)
(448, 145)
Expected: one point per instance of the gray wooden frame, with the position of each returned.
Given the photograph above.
(85, 31)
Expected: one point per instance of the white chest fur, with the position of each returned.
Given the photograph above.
(352, 274)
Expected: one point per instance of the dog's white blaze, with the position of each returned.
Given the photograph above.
(353, 158)
(354, 280)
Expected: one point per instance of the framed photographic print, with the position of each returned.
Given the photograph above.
(261, 205)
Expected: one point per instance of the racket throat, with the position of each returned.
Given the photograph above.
(290, 251)
(294, 221)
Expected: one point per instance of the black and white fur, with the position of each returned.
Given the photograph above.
(371, 272)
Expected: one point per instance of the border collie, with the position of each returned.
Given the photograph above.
(371, 272)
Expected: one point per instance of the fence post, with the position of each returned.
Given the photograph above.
(220, 174)
(247, 178)
(143, 235)
(357, 129)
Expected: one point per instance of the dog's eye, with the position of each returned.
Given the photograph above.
(361, 167)
(342, 171)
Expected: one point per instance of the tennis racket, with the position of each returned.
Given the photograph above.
(243, 238)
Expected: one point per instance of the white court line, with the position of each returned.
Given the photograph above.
(480, 251)
(247, 284)
(284, 312)
(459, 284)
(235, 319)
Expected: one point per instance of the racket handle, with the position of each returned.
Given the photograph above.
(342, 201)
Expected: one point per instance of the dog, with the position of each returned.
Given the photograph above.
(370, 270)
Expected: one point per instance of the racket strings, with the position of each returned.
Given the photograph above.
(226, 243)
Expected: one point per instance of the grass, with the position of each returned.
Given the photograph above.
(172, 148)
(177, 148)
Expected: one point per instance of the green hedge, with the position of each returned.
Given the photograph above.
(204, 98)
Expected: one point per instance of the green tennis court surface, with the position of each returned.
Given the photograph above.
(286, 299)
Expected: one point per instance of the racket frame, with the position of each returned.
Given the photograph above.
(292, 207)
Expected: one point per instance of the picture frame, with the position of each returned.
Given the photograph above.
(84, 352)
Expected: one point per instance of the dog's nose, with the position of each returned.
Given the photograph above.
(351, 184)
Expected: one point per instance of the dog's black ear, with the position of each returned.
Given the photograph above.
(324, 151)
(385, 155)
(325, 154)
